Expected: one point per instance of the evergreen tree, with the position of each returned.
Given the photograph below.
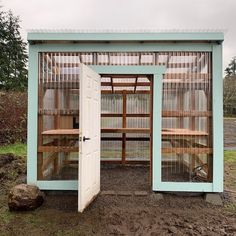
(13, 53)
(231, 68)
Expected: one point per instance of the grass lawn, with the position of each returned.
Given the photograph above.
(18, 149)
(230, 156)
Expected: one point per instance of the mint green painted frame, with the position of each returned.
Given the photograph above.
(125, 36)
(218, 154)
(156, 71)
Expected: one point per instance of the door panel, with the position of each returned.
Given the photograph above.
(89, 154)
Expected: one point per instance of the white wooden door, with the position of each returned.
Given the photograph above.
(89, 144)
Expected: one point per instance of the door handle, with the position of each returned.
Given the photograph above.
(84, 138)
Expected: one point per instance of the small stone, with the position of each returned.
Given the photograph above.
(24, 197)
(157, 196)
(108, 192)
(124, 193)
(214, 198)
(140, 193)
(173, 230)
(189, 226)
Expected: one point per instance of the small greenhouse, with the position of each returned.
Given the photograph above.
(150, 98)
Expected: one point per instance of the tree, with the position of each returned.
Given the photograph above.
(13, 53)
(231, 68)
(229, 98)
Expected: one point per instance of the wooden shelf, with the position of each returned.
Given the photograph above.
(61, 132)
(186, 113)
(164, 113)
(182, 133)
(165, 132)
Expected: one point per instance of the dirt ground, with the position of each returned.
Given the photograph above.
(116, 214)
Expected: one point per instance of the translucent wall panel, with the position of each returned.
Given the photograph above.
(186, 115)
(111, 103)
(186, 118)
(58, 116)
(125, 110)
(111, 146)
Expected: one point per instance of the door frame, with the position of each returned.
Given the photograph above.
(157, 73)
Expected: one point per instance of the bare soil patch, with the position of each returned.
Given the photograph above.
(117, 215)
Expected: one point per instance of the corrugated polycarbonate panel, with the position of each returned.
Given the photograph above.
(111, 104)
(138, 104)
(187, 100)
(58, 116)
(186, 122)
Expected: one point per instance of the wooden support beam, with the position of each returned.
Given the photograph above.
(40, 123)
(120, 76)
(125, 130)
(63, 112)
(127, 139)
(127, 92)
(127, 162)
(189, 150)
(121, 115)
(182, 113)
(115, 161)
(125, 84)
(136, 82)
(57, 149)
(112, 86)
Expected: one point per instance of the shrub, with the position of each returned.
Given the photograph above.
(13, 117)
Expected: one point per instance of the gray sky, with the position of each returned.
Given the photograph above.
(129, 14)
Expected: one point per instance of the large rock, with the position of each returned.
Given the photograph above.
(25, 197)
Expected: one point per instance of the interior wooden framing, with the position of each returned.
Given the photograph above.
(181, 135)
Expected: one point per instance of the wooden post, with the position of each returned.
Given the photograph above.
(40, 123)
(56, 126)
(210, 134)
(193, 126)
(180, 107)
(124, 126)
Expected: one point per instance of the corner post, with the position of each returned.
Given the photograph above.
(157, 123)
(32, 129)
(217, 99)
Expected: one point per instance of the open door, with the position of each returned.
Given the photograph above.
(89, 140)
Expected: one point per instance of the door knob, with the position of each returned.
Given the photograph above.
(84, 138)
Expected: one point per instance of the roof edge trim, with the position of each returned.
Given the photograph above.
(114, 36)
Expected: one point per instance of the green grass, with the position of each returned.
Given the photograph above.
(230, 156)
(18, 149)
